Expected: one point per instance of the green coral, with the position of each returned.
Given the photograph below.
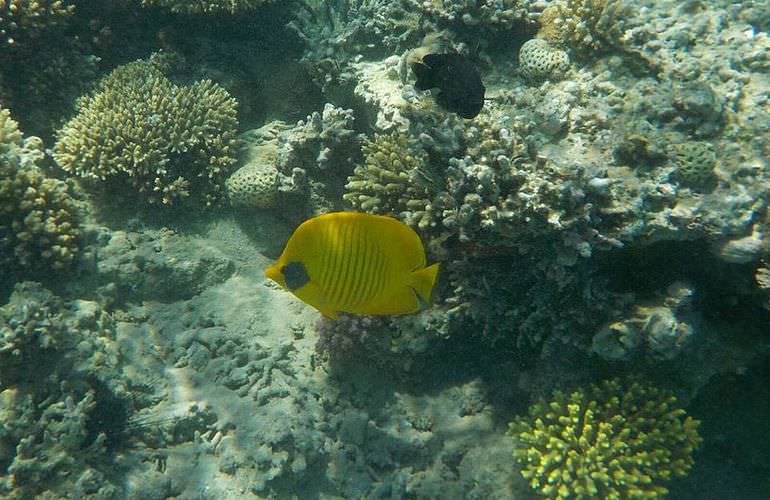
(612, 440)
(208, 7)
(39, 218)
(165, 141)
(584, 26)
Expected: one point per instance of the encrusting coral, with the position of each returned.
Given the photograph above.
(165, 141)
(612, 440)
(39, 226)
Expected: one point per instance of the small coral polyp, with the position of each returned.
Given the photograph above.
(180, 142)
(612, 440)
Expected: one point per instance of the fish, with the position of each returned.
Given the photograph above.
(460, 87)
(356, 263)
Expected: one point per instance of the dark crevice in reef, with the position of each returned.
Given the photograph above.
(725, 291)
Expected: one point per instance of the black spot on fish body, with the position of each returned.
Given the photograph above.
(459, 82)
(295, 275)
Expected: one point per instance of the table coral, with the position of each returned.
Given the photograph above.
(39, 218)
(177, 143)
(612, 440)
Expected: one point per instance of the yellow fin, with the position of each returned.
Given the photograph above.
(423, 281)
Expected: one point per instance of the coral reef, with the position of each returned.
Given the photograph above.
(39, 217)
(52, 357)
(296, 168)
(206, 6)
(44, 65)
(660, 330)
(179, 144)
(612, 440)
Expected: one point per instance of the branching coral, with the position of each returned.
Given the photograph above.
(50, 352)
(490, 14)
(21, 20)
(39, 227)
(583, 26)
(612, 440)
(388, 181)
(139, 129)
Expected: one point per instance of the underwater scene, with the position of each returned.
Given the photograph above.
(384, 249)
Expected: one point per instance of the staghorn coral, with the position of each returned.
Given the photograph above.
(39, 218)
(206, 6)
(584, 26)
(612, 440)
(24, 20)
(178, 143)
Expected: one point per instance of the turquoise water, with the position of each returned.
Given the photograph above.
(591, 176)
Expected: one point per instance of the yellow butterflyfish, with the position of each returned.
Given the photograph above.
(357, 263)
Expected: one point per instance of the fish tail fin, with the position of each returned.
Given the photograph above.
(423, 281)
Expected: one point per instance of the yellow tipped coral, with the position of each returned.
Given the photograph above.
(613, 440)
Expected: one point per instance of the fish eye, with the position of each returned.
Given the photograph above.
(295, 275)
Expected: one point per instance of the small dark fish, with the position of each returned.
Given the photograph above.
(457, 79)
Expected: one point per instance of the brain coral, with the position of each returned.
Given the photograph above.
(539, 60)
(39, 228)
(254, 185)
(139, 129)
(694, 163)
(203, 6)
(613, 440)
